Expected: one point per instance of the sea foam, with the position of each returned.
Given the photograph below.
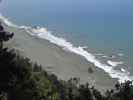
(43, 33)
(7, 22)
(114, 63)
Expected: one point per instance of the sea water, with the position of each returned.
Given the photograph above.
(101, 31)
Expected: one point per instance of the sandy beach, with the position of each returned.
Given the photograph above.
(55, 60)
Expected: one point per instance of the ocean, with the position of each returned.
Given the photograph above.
(100, 31)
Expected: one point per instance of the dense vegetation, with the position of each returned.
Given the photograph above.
(20, 79)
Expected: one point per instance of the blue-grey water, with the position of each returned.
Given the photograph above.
(104, 26)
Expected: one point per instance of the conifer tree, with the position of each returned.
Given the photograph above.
(4, 36)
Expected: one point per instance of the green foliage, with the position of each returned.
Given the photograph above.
(124, 91)
(4, 36)
(20, 79)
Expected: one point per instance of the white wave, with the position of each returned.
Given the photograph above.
(7, 22)
(114, 63)
(45, 34)
(123, 70)
(85, 47)
(105, 56)
(120, 54)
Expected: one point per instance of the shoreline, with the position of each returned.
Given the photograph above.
(43, 33)
(62, 63)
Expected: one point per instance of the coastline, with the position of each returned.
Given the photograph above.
(55, 60)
